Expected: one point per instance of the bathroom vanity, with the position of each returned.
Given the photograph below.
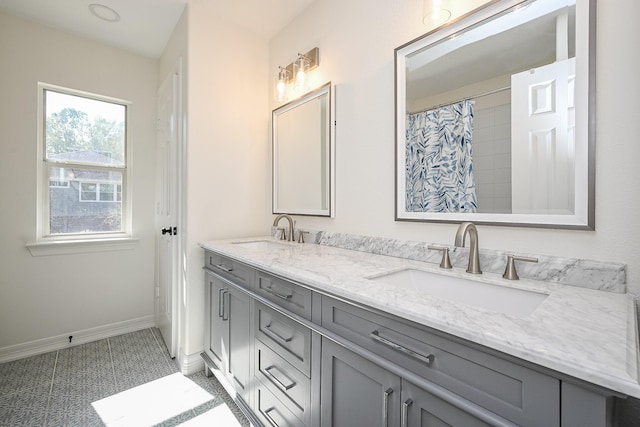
(314, 335)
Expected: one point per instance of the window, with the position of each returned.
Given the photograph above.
(58, 184)
(100, 192)
(84, 168)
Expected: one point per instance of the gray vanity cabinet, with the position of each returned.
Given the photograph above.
(296, 357)
(420, 408)
(216, 329)
(458, 375)
(228, 332)
(355, 391)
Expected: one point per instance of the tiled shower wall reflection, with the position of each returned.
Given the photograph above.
(492, 156)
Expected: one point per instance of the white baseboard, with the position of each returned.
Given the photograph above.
(190, 363)
(46, 345)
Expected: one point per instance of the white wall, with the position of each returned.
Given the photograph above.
(357, 43)
(227, 193)
(42, 297)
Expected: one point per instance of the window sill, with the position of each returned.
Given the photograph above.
(65, 247)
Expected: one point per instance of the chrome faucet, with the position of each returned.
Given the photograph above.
(474, 255)
(277, 220)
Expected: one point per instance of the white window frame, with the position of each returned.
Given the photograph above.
(48, 244)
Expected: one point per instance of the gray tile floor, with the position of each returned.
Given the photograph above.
(57, 388)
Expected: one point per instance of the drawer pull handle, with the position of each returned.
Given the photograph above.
(271, 420)
(286, 297)
(224, 268)
(385, 406)
(405, 412)
(428, 359)
(277, 380)
(273, 333)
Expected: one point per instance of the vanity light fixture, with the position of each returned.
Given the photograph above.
(300, 67)
(284, 77)
(435, 12)
(104, 12)
(294, 75)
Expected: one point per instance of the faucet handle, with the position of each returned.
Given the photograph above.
(510, 272)
(301, 234)
(446, 261)
(283, 233)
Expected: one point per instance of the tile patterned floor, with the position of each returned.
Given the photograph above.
(57, 388)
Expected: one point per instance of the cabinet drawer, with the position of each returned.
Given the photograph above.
(290, 296)
(513, 391)
(273, 412)
(285, 336)
(232, 270)
(287, 383)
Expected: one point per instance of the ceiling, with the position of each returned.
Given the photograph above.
(146, 25)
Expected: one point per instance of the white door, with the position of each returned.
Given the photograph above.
(167, 210)
(543, 139)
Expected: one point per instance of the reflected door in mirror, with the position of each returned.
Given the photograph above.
(527, 67)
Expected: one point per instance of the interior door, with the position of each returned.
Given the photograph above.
(167, 206)
(543, 139)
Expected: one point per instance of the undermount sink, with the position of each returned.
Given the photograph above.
(262, 245)
(501, 299)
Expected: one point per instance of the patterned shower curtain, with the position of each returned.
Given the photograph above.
(439, 167)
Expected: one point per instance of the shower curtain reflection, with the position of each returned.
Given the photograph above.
(438, 165)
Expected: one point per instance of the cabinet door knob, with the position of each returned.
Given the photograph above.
(220, 302)
(405, 412)
(385, 406)
(225, 314)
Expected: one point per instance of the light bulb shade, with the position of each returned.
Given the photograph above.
(300, 68)
(436, 12)
(282, 79)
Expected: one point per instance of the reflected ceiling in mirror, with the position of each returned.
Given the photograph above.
(303, 150)
(495, 117)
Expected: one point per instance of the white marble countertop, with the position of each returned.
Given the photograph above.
(587, 334)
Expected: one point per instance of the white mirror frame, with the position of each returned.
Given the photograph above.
(329, 181)
(584, 215)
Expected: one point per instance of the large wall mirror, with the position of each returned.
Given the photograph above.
(495, 117)
(303, 151)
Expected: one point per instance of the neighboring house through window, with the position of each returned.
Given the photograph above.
(84, 145)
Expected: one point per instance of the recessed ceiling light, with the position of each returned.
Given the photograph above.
(104, 12)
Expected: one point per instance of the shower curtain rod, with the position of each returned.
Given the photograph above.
(491, 92)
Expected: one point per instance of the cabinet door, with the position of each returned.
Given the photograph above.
(356, 392)
(422, 409)
(216, 325)
(237, 312)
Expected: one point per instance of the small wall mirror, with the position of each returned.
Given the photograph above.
(303, 150)
(495, 117)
